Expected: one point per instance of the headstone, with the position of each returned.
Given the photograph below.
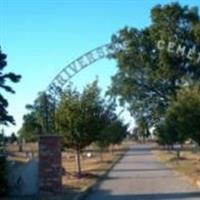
(50, 167)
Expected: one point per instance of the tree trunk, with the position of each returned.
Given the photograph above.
(112, 149)
(78, 162)
(101, 154)
(20, 146)
(178, 153)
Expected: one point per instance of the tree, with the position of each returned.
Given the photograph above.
(30, 129)
(118, 132)
(143, 127)
(168, 135)
(77, 118)
(40, 119)
(113, 132)
(13, 138)
(103, 141)
(183, 116)
(5, 118)
(106, 120)
(43, 109)
(148, 78)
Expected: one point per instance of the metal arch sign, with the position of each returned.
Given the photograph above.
(192, 53)
(78, 64)
(60, 80)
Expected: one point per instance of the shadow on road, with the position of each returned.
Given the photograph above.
(154, 196)
(139, 176)
(140, 170)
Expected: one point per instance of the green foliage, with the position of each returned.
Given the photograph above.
(30, 129)
(113, 133)
(118, 131)
(183, 116)
(148, 79)
(84, 118)
(78, 116)
(5, 118)
(168, 135)
(43, 109)
(40, 118)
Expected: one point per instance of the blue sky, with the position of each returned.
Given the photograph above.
(40, 37)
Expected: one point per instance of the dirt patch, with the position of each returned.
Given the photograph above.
(93, 167)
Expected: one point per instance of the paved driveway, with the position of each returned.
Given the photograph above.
(139, 176)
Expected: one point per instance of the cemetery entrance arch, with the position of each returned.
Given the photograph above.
(79, 64)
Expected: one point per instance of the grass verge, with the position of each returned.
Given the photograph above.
(187, 165)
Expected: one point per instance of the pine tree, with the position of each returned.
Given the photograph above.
(5, 117)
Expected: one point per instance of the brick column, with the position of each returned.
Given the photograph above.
(50, 176)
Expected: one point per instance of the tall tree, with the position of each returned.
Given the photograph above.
(30, 129)
(148, 78)
(43, 109)
(5, 117)
(13, 138)
(80, 118)
(40, 119)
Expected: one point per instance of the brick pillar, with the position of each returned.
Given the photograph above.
(50, 176)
